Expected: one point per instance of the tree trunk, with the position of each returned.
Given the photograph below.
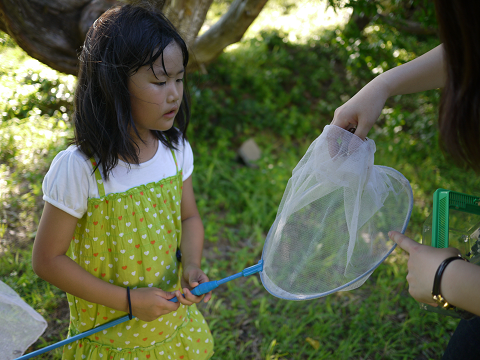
(228, 30)
(53, 31)
(188, 16)
(46, 30)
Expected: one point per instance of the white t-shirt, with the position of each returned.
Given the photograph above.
(69, 182)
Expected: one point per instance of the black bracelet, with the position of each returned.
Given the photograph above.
(437, 296)
(130, 316)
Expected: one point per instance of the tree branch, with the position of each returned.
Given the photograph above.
(408, 26)
(46, 33)
(53, 31)
(188, 16)
(92, 12)
(228, 30)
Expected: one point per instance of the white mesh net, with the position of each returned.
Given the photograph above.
(331, 228)
(20, 325)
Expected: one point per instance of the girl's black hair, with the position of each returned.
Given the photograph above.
(117, 45)
(459, 118)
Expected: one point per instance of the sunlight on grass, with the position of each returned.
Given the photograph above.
(304, 21)
(299, 21)
(34, 124)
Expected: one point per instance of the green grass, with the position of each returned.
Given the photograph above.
(281, 94)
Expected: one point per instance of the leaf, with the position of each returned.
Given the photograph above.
(315, 344)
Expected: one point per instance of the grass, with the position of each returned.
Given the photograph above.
(281, 94)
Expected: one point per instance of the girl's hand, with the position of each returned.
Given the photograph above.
(149, 304)
(422, 265)
(362, 110)
(192, 277)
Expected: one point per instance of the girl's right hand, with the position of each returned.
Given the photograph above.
(362, 110)
(149, 304)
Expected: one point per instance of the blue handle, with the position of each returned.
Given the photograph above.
(198, 290)
(74, 338)
(201, 289)
(205, 288)
(209, 286)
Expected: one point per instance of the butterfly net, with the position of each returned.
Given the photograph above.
(331, 229)
(20, 325)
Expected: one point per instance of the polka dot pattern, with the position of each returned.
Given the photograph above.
(131, 239)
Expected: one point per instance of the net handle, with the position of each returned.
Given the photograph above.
(211, 285)
(74, 338)
(199, 290)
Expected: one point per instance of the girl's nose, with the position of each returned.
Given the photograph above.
(173, 94)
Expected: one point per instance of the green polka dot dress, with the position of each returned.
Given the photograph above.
(131, 239)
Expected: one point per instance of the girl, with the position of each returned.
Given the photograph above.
(455, 66)
(120, 202)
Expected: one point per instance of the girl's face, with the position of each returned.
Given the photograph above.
(155, 100)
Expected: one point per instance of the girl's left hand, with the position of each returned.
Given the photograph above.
(422, 265)
(192, 277)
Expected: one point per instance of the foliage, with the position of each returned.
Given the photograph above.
(281, 94)
(421, 11)
(33, 126)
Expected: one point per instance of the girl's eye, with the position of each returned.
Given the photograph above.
(180, 80)
(161, 83)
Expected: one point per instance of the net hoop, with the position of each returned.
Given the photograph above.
(272, 288)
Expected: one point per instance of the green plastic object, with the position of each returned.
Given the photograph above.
(454, 222)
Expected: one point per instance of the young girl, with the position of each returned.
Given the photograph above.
(120, 202)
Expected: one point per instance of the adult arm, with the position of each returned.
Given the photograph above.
(423, 73)
(191, 244)
(460, 283)
(51, 263)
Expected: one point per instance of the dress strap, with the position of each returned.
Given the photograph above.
(98, 177)
(175, 159)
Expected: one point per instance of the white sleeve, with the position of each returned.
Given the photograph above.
(185, 160)
(66, 184)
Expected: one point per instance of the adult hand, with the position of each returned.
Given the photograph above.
(423, 73)
(422, 265)
(192, 277)
(362, 110)
(149, 304)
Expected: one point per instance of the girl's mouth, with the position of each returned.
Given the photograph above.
(171, 113)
